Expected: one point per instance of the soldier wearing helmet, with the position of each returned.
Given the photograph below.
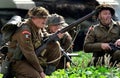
(38, 12)
(100, 36)
(105, 7)
(56, 22)
(26, 64)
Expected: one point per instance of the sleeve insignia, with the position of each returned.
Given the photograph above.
(27, 36)
(26, 32)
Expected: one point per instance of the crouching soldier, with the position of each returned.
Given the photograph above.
(23, 43)
(100, 36)
(56, 22)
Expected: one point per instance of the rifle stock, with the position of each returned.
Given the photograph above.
(55, 37)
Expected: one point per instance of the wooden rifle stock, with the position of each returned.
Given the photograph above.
(55, 37)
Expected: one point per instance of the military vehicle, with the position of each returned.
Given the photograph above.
(9, 8)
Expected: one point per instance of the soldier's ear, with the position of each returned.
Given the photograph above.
(99, 16)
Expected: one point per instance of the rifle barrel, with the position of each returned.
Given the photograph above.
(77, 22)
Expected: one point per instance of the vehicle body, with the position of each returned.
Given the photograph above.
(9, 8)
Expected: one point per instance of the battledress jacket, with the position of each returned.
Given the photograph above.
(66, 42)
(25, 38)
(100, 34)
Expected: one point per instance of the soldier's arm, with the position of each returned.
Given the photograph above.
(89, 44)
(24, 41)
(67, 42)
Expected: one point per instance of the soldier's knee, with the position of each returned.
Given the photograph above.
(50, 69)
(116, 55)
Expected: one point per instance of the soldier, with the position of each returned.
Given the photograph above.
(21, 50)
(56, 22)
(99, 36)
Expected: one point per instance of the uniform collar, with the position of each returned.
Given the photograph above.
(113, 23)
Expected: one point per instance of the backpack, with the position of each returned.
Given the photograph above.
(8, 30)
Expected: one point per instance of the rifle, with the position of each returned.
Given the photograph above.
(67, 57)
(73, 54)
(113, 47)
(54, 37)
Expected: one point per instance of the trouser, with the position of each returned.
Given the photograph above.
(62, 63)
(112, 57)
(53, 53)
(8, 75)
(116, 57)
(51, 56)
(23, 69)
(49, 69)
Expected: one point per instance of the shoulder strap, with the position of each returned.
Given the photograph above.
(23, 27)
(118, 23)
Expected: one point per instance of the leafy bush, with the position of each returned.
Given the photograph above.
(1, 75)
(82, 71)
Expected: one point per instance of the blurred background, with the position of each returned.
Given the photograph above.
(70, 9)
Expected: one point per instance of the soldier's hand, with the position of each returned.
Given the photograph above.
(105, 46)
(68, 64)
(117, 43)
(60, 35)
(42, 75)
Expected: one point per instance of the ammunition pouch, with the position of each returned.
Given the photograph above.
(5, 66)
(42, 61)
(14, 54)
(4, 50)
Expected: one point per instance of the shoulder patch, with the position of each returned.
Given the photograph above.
(118, 23)
(26, 32)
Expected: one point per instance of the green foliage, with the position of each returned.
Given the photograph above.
(1, 75)
(82, 71)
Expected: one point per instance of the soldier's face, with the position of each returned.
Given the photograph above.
(54, 28)
(105, 17)
(39, 22)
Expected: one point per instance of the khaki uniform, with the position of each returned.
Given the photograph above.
(99, 34)
(28, 39)
(54, 23)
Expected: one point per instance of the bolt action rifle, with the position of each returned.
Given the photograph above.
(54, 37)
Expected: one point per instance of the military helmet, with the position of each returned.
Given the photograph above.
(56, 19)
(40, 12)
(105, 7)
